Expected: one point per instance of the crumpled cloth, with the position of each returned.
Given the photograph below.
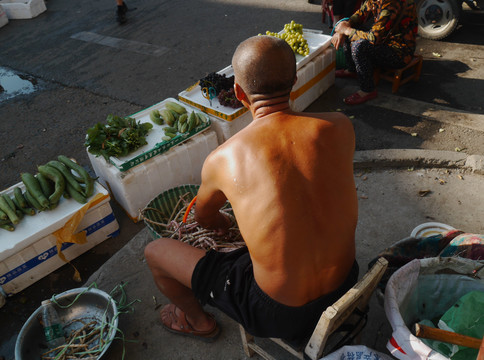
(446, 244)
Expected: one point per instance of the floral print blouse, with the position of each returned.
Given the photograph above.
(384, 14)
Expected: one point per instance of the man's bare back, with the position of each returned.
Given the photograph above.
(289, 179)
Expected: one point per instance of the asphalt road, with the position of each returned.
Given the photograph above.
(86, 66)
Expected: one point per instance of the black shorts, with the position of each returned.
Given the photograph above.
(226, 281)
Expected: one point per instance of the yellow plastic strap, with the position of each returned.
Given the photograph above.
(297, 93)
(66, 233)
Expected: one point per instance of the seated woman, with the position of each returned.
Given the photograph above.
(389, 42)
(338, 9)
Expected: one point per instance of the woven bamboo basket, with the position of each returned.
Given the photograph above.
(169, 215)
(166, 205)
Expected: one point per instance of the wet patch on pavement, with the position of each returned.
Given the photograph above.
(13, 84)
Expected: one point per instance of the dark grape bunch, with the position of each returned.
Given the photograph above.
(227, 98)
(218, 81)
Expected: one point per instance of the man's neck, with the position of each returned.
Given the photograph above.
(262, 106)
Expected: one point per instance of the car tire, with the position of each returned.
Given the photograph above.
(437, 19)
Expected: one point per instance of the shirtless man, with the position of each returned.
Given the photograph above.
(289, 179)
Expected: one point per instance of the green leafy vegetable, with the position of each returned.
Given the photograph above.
(118, 137)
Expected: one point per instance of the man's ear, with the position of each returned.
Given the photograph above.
(295, 80)
(240, 93)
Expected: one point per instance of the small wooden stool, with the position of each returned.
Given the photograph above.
(414, 68)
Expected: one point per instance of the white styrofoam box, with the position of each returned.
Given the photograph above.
(154, 143)
(313, 79)
(3, 17)
(29, 252)
(226, 129)
(194, 97)
(135, 188)
(32, 228)
(23, 9)
(317, 43)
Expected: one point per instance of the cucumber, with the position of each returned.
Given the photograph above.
(5, 207)
(33, 187)
(58, 179)
(26, 210)
(79, 179)
(88, 180)
(9, 201)
(20, 214)
(66, 172)
(8, 227)
(46, 185)
(66, 194)
(32, 201)
(76, 195)
(17, 193)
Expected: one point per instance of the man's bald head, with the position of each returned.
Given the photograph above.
(264, 65)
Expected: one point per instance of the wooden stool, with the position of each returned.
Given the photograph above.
(396, 76)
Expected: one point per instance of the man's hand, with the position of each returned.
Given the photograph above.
(338, 40)
(216, 221)
(224, 223)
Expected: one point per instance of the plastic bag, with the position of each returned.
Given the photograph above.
(354, 352)
(466, 317)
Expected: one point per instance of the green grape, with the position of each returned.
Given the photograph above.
(293, 35)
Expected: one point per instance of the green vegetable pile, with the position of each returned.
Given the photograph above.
(118, 137)
(56, 179)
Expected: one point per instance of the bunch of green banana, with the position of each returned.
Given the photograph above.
(155, 116)
(183, 124)
(168, 115)
(170, 133)
(170, 105)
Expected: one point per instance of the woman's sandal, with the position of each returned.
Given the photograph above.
(356, 99)
(183, 327)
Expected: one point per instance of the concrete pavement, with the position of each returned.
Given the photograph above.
(388, 183)
(82, 80)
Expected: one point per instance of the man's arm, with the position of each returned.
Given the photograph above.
(210, 197)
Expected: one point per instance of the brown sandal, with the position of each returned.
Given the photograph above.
(183, 327)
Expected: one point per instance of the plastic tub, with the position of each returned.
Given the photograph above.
(79, 306)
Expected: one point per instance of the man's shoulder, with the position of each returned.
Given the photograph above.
(226, 149)
(333, 119)
(335, 126)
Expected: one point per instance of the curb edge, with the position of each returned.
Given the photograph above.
(398, 158)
